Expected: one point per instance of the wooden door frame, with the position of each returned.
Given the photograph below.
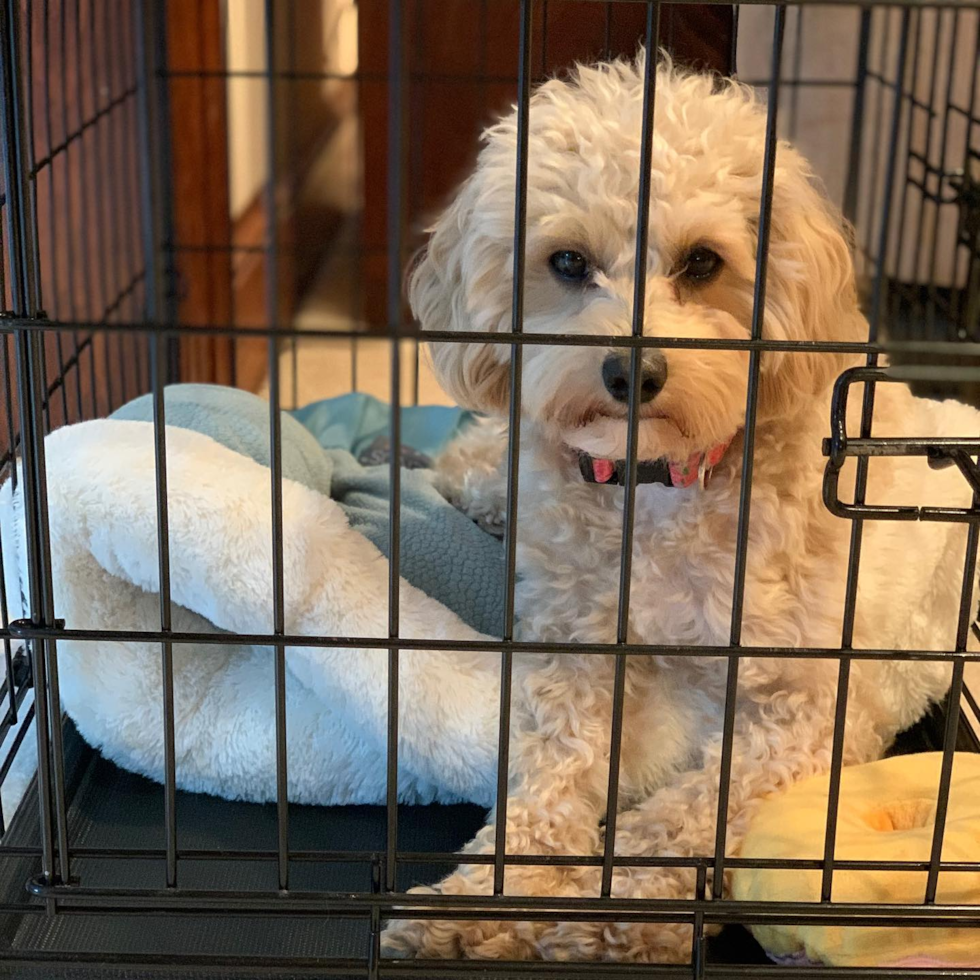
(224, 279)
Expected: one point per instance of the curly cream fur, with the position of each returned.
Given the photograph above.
(705, 180)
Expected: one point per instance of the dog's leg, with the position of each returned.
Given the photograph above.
(559, 771)
(470, 474)
(777, 742)
(775, 745)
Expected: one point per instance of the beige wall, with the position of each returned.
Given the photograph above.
(247, 101)
(248, 97)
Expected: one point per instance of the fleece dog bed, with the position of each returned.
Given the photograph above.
(102, 510)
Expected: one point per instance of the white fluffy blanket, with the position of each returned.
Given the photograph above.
(103, 521)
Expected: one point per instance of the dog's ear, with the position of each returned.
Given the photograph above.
(811, 293)
(454, 284)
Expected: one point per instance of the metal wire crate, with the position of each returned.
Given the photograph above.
(124, 878)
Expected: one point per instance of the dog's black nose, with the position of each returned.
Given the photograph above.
(616, 375)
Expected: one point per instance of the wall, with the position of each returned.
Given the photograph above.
(245, 45)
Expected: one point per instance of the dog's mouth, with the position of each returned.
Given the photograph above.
(646, 413)
(696, 468)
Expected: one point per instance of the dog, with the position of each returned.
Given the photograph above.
(705, 190)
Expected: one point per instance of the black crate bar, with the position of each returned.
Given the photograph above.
(26, 24)
(287, 136)
(793, 83)
(11, 715)
(17, 683)
(906, 184)
(954, 701)
(77, 138)
(396, 195)
(881, 39)
(21, 230)
(70, 231)
(129, 161)
(937, 201)
(698, 938)
(540, 908)
(861, 481)
(44, 410)
(158, 363)
(633, 423)
(103, 135)
(851, 188)
(8, 469)
(8, 380)
(952, 723)
(231, 966)
(125, 200)
(966, 311)
(745, 491)
(513, 438)
(275, 445)
(372, 857)
(155, 170)
(55, 293)
(25, 630)
(925, 159)
(95, 191)
(15, 322)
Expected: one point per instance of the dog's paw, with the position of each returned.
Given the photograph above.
(437, 939)
(493, 521)
(405, 939)
(440, 939)
(421, 938)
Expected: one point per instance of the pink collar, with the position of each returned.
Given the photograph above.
(681, 474)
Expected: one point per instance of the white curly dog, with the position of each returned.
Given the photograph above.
(706, 177)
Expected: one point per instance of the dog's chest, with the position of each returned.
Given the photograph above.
(681, 576)
(683, 565)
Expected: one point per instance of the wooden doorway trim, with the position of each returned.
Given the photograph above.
(222, 277)
(199, 152)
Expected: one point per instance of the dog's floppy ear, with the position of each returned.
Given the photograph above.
(454, 284)
(812, 294)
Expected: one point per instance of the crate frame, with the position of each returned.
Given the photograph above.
(155, 325)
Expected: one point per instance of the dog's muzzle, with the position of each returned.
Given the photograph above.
(695, 469)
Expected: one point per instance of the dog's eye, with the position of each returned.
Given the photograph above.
(701, 264)
(569, 265)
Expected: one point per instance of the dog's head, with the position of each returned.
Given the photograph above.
(583, 181)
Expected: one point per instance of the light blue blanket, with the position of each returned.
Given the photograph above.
(443, 553)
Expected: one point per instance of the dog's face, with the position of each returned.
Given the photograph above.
(583, 181)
